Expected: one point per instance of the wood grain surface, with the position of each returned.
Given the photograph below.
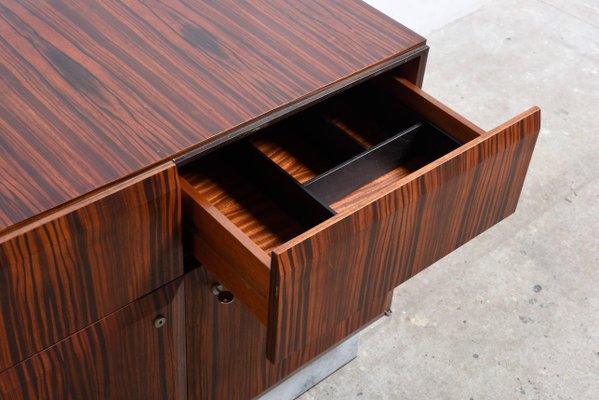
(393, 236)
(234, 258)
(232, 224)
(242, 201)
(68, 271)
(430, 108)
(92, 92)
(226, 344)
(122, 357)
(306, 145)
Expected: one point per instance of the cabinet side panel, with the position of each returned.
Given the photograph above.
(65, 273)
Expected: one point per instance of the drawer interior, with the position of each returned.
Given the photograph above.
(333, 200)
(297, 173)
(368, 115)
(261, 199)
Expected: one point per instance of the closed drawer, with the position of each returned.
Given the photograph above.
(137, 352)
(311, 220)
(86, 261)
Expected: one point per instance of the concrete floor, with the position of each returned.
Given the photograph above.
(513, 314)
(424, 16)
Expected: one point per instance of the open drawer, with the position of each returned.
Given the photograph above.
(311, 221)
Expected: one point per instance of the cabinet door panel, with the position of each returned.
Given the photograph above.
(226, 344)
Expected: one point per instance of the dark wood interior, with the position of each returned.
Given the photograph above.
(368, 115)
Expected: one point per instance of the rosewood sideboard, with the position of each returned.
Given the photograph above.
(197, 198)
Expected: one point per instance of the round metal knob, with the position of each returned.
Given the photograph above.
(222, 294)
(159, 321)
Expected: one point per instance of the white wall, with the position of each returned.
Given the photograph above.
(424, 16)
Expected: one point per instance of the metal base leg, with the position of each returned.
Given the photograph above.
(314, 373)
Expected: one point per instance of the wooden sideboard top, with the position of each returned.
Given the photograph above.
(93, 92)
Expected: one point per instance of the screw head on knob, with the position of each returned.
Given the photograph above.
(222, 294)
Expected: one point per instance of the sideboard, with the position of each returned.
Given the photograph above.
(198, 197)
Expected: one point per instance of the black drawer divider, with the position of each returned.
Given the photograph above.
(280, 186)
(415, 146)
(336, 138)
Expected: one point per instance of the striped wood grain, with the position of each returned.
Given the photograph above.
(66, 272)
(327, 275)
(122, 357)
(226, 345)
(230, 232)
(93, 91)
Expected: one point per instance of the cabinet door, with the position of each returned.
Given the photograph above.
(226, 345)
(129, 355)
(86, 261)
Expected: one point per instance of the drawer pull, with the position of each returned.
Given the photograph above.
(159, 322)
(223, 295)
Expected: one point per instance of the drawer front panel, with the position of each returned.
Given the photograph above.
(323, 278)
(123, 356)
(67, 272)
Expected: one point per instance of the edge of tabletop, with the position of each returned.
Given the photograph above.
(235, 133)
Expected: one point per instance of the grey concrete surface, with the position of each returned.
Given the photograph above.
(513, 314)
(424, 16)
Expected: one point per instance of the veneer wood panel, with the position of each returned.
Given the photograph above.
(430, 108)
(226, 344)
(63, 273)
(93, 92)
(390, 236)
(121, 357)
